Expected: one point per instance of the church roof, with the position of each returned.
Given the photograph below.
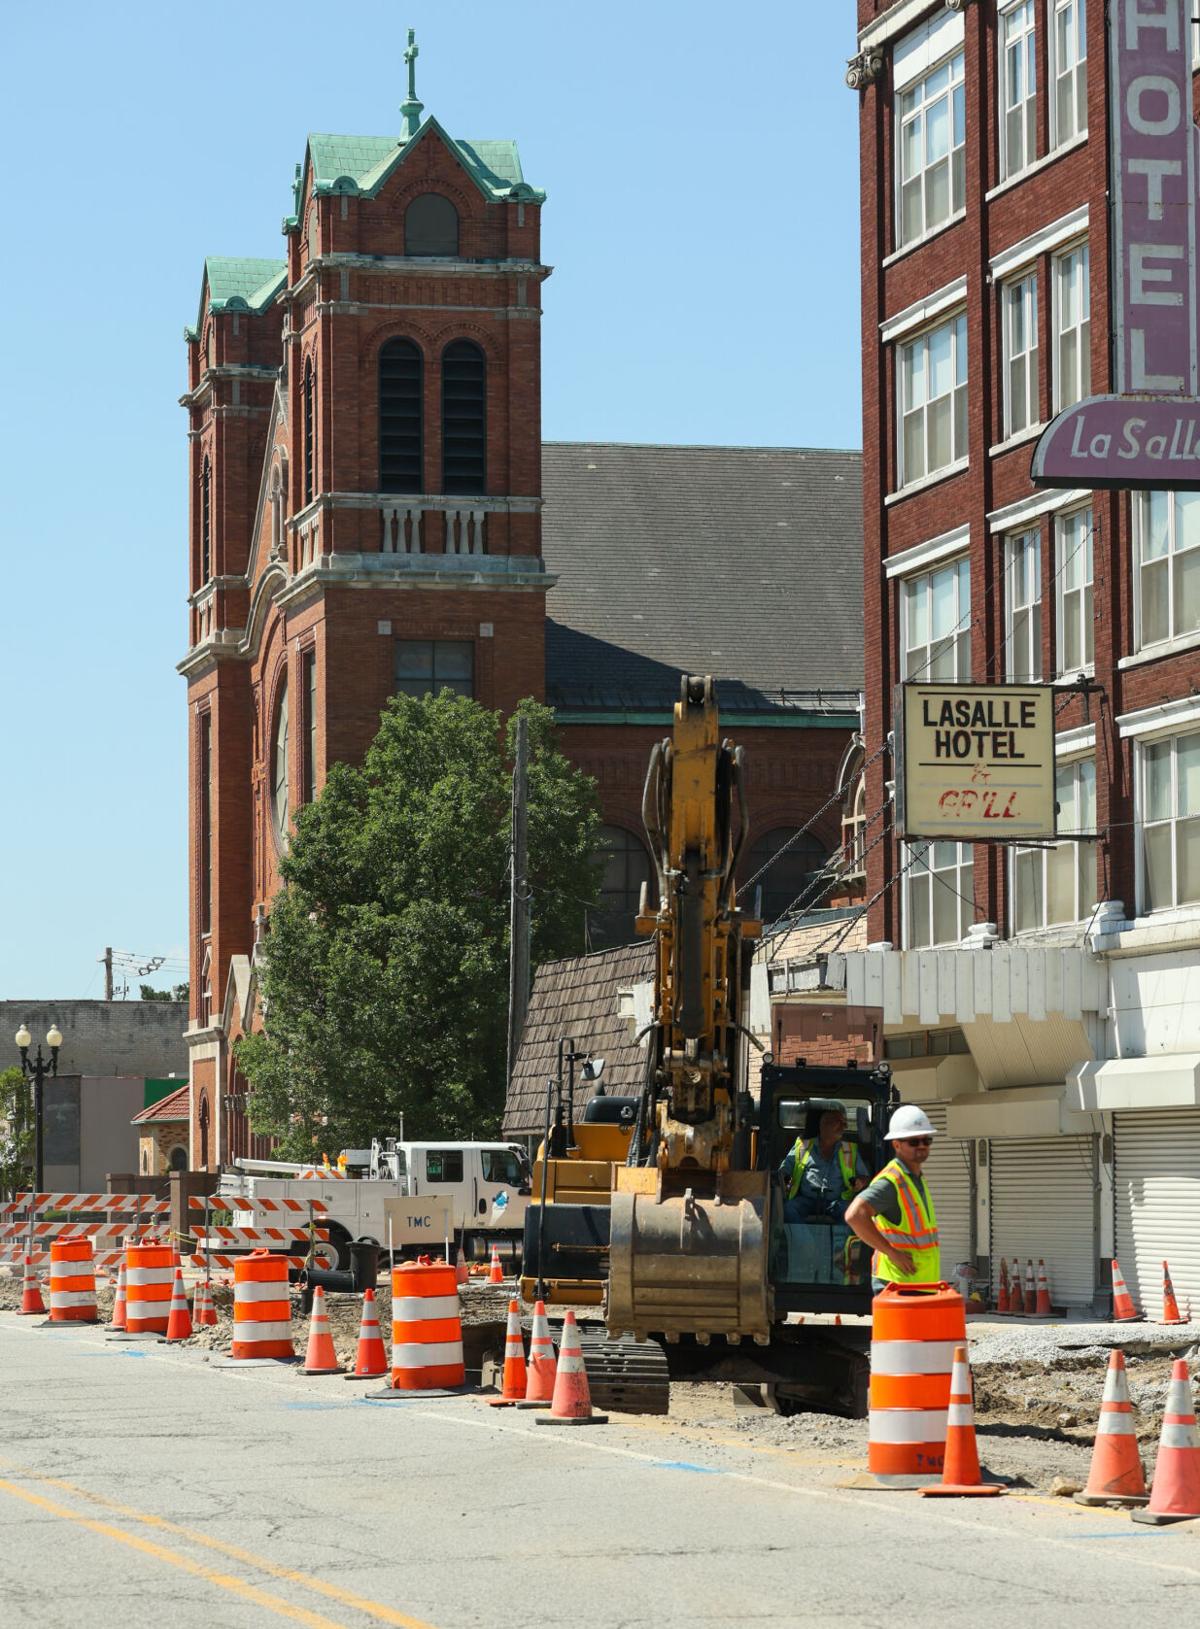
(238, 283)
(355, 164)
(742, 562)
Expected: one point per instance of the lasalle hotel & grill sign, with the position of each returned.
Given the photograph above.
(1147, 434)
(977, 762)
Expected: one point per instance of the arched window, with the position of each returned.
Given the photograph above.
(431, 226)
(400, 386)
(790, 876)
(464, 426)
(178, 1159)
(279, 772)
(205, 522)
(626, 867)
(204, 1120)
(309, 487)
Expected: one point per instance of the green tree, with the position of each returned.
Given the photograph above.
(385, 984)
(147, 992)
(16, 1132)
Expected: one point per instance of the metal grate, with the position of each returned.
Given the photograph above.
(1044, 1194)
(1157, 1199)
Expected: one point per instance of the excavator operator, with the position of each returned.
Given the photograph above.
(822, 1174)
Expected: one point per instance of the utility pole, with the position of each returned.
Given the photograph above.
(518, 921)
(108, 984)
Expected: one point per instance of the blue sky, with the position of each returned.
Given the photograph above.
(701, 165)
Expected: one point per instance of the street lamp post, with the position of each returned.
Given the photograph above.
(37, 1072)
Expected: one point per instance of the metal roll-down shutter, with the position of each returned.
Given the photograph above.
(1043, 1206)
(1157, 1196)
(950, 1172)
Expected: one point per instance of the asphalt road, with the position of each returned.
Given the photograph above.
(141, 1487)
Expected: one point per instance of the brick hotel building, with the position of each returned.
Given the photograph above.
(373, 510)
(1044, 1002)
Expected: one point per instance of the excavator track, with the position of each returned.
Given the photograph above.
(628, 1375)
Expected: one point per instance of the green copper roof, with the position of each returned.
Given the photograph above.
(361, 164)
(237, 284)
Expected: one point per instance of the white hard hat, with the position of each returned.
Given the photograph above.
(910, 1121)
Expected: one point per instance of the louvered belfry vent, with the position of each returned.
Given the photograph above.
(400, 417)
(464, 418)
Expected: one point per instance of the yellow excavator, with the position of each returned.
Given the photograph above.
(666, 1207)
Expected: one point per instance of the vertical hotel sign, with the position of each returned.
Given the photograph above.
(977, 762)
(1147, 434)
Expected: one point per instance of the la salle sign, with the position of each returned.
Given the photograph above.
(1147, 433)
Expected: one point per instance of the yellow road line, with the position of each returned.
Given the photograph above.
(159, 1552)
(345, 1597)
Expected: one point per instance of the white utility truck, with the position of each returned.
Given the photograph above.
(487, 1186)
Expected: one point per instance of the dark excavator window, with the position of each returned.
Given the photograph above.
(610, 1111)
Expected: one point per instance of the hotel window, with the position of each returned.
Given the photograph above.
(931, 150)
(1018, 89)
(1068, 71)
(1057, 883)
(1169, 785)
(936, 612)
(428, 666)
(1166, 532)
(1073, 575)
(938, 896)
(1072, 328)
(933, 400)
(1023, 611)
(1020, 324)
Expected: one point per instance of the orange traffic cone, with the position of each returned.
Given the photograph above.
(1170, 1304)
(462, 1273)
(1016, 1301)
(31, 1293)
(1002, 1304)
(1029, 1299)
(960, 1471)
(207, 1318)
(1175, 1491)
(179, 1319)
(516, 1377)
(1123, 1309)
(1042, 1306)
(495, 1271)
(117, 1321)
(1116, 1476)
(320, 1357)
(572, 1403)
(540, 1370)
(370, 1360)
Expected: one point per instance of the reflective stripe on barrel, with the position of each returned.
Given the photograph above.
(913, 1336)
(72, 1282)
(427, 1349)
(262, 1309)
(149, 1274)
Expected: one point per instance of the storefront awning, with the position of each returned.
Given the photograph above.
(1169, 1081)
(1022, 1111)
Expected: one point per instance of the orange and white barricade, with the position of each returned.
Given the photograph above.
(72, 1282)
(149, 1276)
(427, 1344)
(262, 1309)
(914, 1332)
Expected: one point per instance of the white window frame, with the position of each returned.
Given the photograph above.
(1144, 826)
(1017, 63)
(955, 156)
(1068, 390)
(920, 895)
(1022, 858)
(1075, 70)
(1168, 563)
(1064, 605)
(1022, 401)
(1023, 609)
(956, 327)
(959, 637)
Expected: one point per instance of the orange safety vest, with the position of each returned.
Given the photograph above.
(917, 1232)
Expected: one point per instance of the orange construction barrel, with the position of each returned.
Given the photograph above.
(262, 1307)
(149, 1274)
(427, 1345)
(72, 1282)
(914, 1330)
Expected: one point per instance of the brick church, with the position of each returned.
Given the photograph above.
(372, 510)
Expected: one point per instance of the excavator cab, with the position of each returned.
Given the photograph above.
(815, 1263)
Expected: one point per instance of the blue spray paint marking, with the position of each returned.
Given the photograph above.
(686, 1465)
(312, 1407)
(1118, 1532)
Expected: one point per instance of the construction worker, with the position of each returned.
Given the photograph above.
(894, 1214)
(822, 1174)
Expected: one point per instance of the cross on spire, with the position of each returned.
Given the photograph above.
(410, 108)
